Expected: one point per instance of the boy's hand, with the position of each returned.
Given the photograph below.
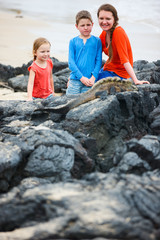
(92, 80)
(85, 81)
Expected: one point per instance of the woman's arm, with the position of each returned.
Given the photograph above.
(132, 74)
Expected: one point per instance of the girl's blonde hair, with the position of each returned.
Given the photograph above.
(37, 43)
(110, 8)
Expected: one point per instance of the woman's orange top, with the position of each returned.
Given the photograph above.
(122, 52)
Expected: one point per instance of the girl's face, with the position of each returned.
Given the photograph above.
(85, 27)
(106, 20)
(43, 52)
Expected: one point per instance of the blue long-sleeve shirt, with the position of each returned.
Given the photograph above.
(85, 59)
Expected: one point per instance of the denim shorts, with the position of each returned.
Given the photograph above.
(104, 74)
(76, 87)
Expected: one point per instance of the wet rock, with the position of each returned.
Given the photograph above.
(108, 205)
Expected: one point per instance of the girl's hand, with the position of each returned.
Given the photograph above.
(68, 82)
(29, 99)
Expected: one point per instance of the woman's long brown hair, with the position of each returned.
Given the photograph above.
(110, 8)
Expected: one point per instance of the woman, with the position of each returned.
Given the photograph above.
(116, 45)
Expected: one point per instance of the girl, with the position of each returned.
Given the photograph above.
(40, 83)
(116, 45)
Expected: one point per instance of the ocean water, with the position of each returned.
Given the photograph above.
(140, 19)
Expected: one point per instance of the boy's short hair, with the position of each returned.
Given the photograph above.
(83, 14)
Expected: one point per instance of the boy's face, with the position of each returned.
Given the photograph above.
(85, 27)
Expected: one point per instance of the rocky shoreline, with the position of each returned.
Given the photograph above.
(93, 173)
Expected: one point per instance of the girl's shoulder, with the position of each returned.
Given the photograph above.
(49, 60)
(33, 66)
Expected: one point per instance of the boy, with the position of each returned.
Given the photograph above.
(85, 56)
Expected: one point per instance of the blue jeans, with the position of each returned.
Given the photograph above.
(76, 87)
(47, 98)
(104, 74)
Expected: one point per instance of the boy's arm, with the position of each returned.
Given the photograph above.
(71, 61)
(30, 85)
(98, 63)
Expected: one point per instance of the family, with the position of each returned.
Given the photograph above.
(85, 56)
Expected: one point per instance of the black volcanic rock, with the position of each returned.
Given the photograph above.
(92, 173)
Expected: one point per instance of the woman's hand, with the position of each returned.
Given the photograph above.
(132, 74)
(138, 82)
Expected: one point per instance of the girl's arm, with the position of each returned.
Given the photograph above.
(132, 74)
(30, 85)
(52, 84)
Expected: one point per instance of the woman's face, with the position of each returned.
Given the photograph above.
(106, 20)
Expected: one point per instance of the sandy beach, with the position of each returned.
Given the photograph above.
(17, 38)
(7, 94)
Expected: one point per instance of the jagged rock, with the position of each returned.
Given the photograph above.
(108, 205)
(137, 156)
(155, 120)
(147, 71)
(45, 153)
(44, 158)
(10, 158)
(18, 83)
(112, 120)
